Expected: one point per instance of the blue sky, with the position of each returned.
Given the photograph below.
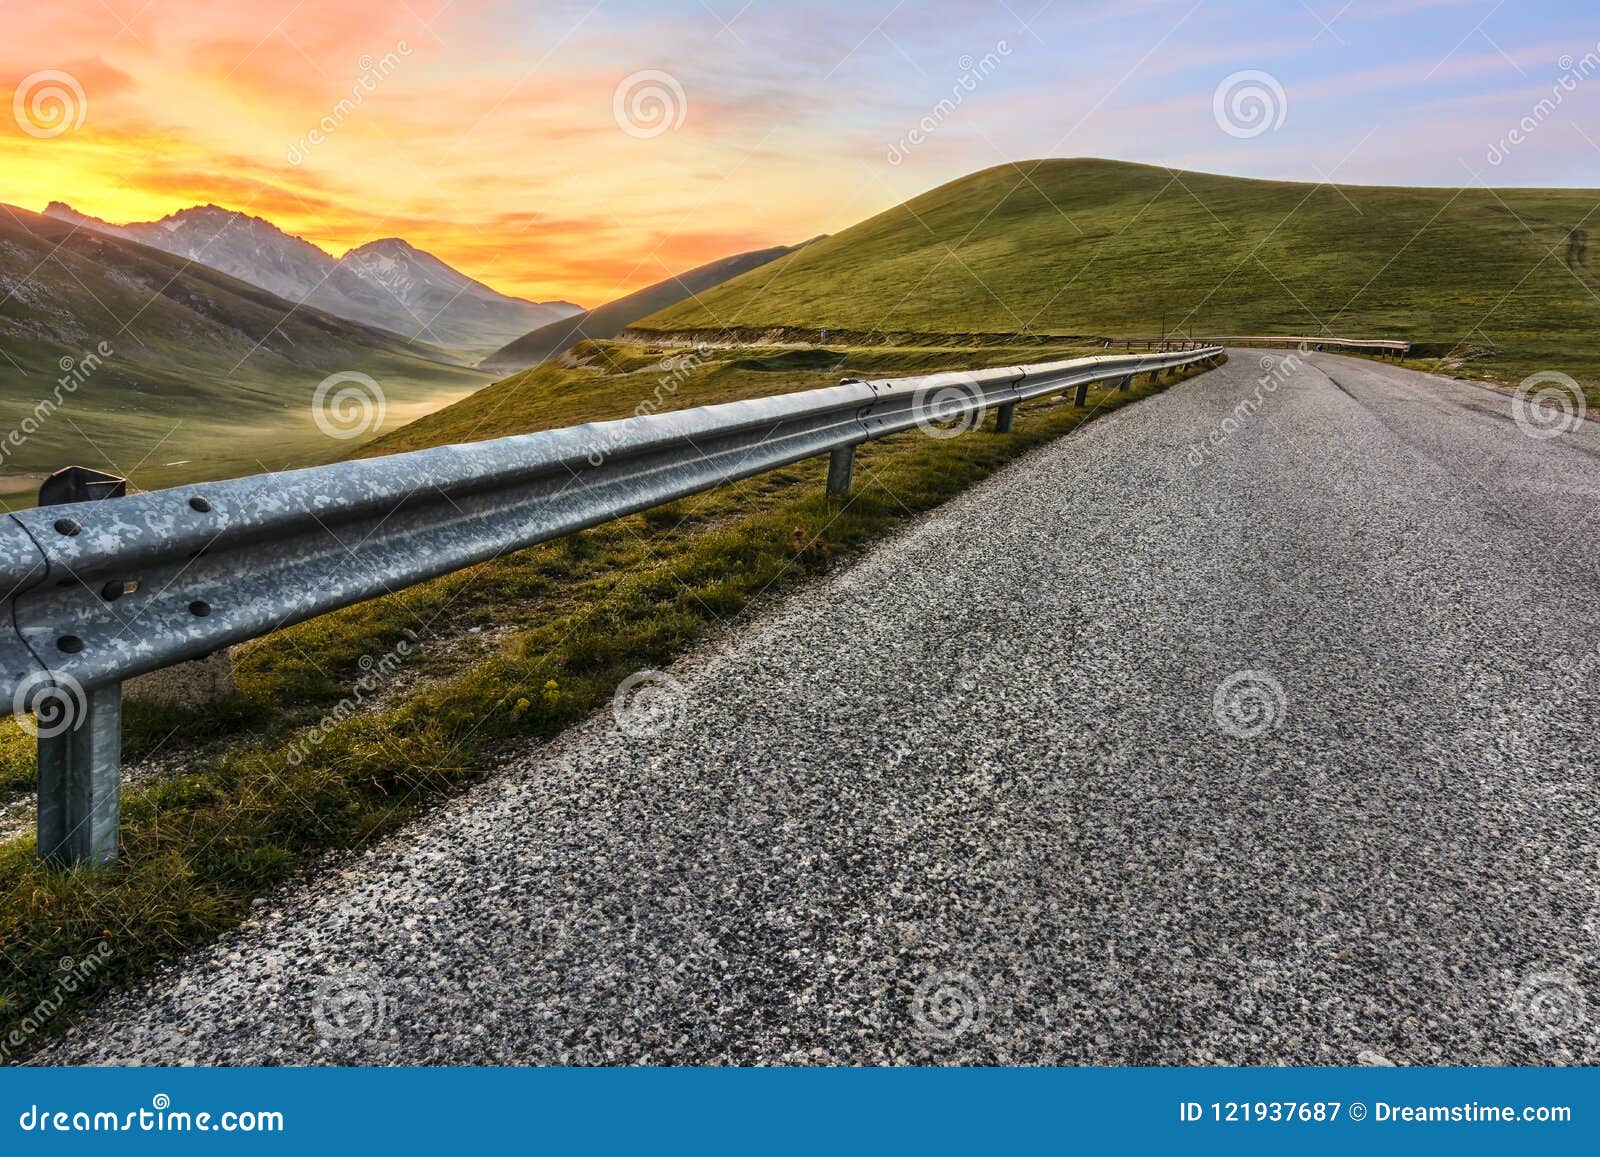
(1384, 91)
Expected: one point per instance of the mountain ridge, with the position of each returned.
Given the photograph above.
(388, 283)
(612, 318)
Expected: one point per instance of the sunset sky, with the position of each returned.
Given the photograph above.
(488, 133)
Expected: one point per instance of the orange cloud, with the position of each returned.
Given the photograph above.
(491, 140)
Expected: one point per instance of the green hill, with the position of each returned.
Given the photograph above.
(612, 318)
(1108, 248)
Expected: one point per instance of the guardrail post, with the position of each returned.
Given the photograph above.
(1002, 418)
(1124, 384)
(80, 751)
(1083, 395)
(841, 467)
(80, 783)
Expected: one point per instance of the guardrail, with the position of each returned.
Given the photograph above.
(1267, 341)
(1357, 345)
(110, 586)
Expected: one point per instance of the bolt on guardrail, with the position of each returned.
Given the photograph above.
(102, 585)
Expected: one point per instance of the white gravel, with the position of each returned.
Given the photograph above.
(967, 800)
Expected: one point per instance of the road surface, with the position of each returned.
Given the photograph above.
(1251, 724)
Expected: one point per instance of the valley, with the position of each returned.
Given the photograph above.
(128, 359)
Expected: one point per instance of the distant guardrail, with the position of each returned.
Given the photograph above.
(101, 585)
(1267, 341)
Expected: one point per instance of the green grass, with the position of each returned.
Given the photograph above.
(1092, 247)
(566, 620)
(17, 771)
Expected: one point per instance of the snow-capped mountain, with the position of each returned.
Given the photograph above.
(388, 283)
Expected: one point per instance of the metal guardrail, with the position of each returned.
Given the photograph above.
(1358, 345)
(100, 590)
(1267, 341)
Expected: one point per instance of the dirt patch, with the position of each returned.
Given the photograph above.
(20, 483)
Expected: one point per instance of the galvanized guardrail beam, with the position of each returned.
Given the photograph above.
(1394, 346)
(97, 592)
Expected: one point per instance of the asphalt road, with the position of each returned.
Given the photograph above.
(1200, 736)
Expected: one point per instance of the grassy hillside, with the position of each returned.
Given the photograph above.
(1104, 247)
(205, 370)
(612, 318)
